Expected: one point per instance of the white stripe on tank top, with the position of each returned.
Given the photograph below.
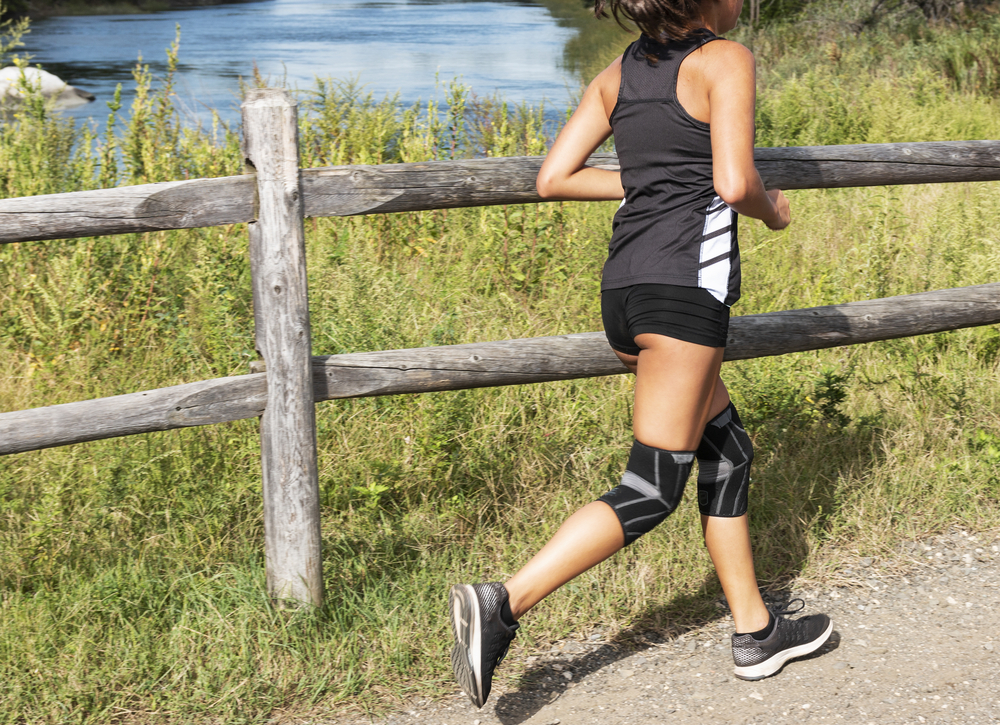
(715, 254)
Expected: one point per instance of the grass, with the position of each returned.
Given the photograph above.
(131, 570)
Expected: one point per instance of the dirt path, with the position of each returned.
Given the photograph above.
(915, 643)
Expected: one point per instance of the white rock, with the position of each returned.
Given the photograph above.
(50, 86)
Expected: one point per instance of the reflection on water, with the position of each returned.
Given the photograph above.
(500, 46)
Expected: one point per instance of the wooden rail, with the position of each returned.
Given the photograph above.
(275, 195)
(351, 190)
(486, 364)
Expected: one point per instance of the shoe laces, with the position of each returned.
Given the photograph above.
(788, 610)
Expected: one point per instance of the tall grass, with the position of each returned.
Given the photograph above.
(131, 569)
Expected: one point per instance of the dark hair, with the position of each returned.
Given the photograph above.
(659, 19)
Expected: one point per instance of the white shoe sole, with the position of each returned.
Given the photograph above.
(467, 654)
(770, 666)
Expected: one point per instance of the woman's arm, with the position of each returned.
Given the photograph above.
(563, 174)
(731, 81)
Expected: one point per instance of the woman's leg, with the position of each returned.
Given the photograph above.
(674, 419)
(728, 542)
(585, 539)
(676, 387)
(677, 390)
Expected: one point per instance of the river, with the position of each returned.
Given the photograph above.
(509, 47)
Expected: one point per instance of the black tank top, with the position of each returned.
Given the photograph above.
(671, 228)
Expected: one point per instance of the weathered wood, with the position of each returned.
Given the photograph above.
(542, 359)
(853, 323)
(127, 209)
(181, 406)
(281, 312)
(481, 182)
(831, 167)
(509, 362)
(350, 190)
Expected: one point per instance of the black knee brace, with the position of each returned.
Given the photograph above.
(650, 489)
(724, 457)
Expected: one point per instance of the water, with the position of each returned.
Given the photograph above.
(510, 47)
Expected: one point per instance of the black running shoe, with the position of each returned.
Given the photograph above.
(481, 637)
(790, 638)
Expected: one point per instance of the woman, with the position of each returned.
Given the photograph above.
(680, 103)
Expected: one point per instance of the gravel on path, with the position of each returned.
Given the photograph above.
(916, 640)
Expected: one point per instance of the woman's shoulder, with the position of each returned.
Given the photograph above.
(612, 74)
(719, 61)
(722, 53)
(607, 82)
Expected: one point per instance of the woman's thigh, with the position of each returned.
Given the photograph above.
(675, 387)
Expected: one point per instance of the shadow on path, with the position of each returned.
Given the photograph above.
(833, 452)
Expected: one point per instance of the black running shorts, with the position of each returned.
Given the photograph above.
(691, 314)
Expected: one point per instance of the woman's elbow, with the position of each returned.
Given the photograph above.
(545, 185)
(733, 191)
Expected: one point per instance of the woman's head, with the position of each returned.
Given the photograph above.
(661, 19)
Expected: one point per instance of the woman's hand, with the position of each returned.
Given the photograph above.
(564, 174)
(784, 212)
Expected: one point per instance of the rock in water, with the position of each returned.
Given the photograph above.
(50, 86)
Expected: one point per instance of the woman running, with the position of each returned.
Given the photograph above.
(680, 104)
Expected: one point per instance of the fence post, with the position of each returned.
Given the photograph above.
(281, 316)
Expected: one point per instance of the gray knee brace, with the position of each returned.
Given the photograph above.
(650, 489)
(724, 457)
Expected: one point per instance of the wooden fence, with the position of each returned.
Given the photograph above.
(274, 196)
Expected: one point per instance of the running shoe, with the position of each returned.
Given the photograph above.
(790, 638)
(481, 637)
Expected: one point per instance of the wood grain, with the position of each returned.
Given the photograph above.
(830, 167)
(281, 314)
(127, 209)
(351, 190)
(179, 406)
(509, 362)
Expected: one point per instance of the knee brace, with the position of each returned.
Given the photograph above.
(724, 457)
(650, 489)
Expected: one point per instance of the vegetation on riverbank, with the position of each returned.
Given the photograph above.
(131, 570)
(802, 29)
